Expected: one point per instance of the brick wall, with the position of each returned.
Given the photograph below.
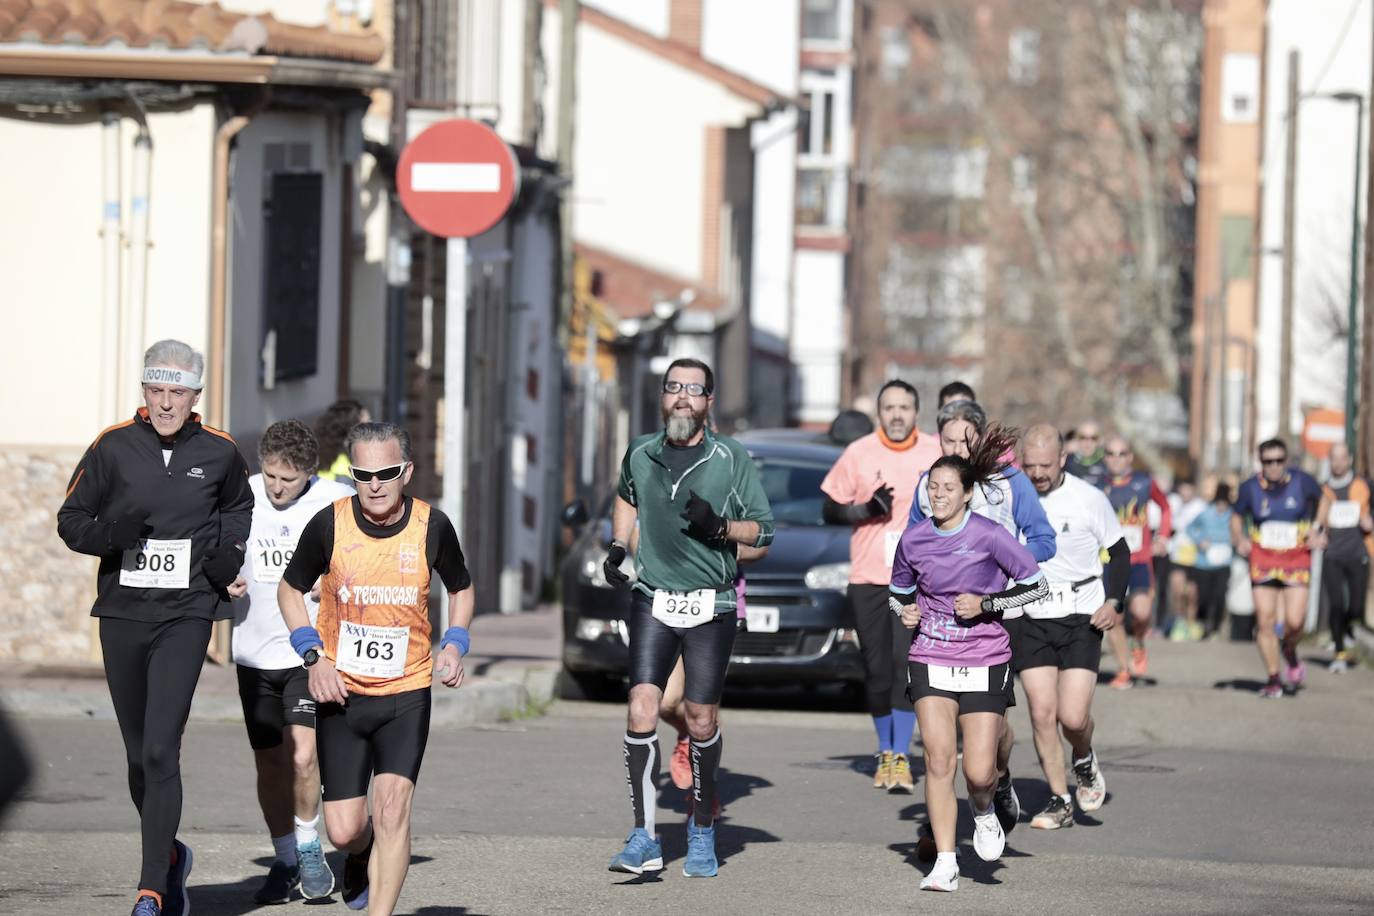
(684, 23)
(46, 603)
(713, 197)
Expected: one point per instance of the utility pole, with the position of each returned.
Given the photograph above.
(1365, 430)
(568, 12)
(1290, 182)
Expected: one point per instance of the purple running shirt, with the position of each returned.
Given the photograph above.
(977, 558)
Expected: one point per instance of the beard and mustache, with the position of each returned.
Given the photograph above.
(682, 427)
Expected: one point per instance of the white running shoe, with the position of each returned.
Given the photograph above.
(1092, 788)
(943, 877)
(988, 838)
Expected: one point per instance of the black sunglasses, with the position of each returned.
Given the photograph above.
(1274, 460)
(363, 475)
(692, 388)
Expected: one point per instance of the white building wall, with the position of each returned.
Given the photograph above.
(1334, 58)
(818, 337)
(51, 260)
(649, 15)
(367, 319)
(757, 39)
(775, 189)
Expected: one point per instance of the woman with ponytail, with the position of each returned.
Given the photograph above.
(950, 581)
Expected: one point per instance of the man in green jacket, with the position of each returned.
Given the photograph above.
(697, 498)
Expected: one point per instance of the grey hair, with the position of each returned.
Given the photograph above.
(968, 411)
(176, 355)
(379, 432)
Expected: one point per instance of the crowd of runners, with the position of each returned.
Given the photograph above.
(981, 556)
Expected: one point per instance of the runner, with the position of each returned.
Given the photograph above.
(164, 502)
(1130, 493)
(1273, 527)
(1057, 647)
(1087, 461)
(683, 597)
(1009, 499)
(859, 491)
(949, 580)
(1211, 532)
(369, 662)
(273, 686)
(955, 391)
(1346, 519)
(1186, 505)
(331, 429)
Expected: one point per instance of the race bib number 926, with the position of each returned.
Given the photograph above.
(682, 610)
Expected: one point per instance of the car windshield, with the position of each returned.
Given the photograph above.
(793, 489)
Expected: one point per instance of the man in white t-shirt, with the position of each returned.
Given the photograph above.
(273, 684)
(1057, 645)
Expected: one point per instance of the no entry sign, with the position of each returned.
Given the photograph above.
(457, 178)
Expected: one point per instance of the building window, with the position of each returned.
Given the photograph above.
(821, 20)
(292, 217)
(1240, 79)
(896, 52)
(1023, 57)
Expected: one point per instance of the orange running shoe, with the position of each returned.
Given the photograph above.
(1140, 661)
(680, 764)
(1122, 681)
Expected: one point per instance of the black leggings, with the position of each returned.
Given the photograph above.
(705, 650)
(1345, 580)
(885, 644)
(1212, 585)
(152, 670)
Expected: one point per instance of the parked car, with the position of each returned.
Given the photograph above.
(799, 628)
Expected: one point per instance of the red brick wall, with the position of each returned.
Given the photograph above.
(684, 23)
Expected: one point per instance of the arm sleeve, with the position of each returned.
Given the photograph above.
(748, 498)
(844, 513)
(1117, 573)
(444, 553)
(1030, 518)
(313, 550)
(626, 487)
(1166, 514)
(78, 522)
(1020, 594)
(235, 504)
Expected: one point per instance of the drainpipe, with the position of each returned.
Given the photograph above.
(216, 354)
(136, 296)
(110, 239)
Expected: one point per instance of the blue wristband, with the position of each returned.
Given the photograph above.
(459, 637)
(303, 639)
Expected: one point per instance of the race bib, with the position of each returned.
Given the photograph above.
(958, 679)
(890, 541)
(761, 619)
(270, 558)
(1279, 535)
(1219, 555)
(1345, 513)
(157, 564)
(1060, 603)
(683, 610)
(1135, 537)
(372, 651)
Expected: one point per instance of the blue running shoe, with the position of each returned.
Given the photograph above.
(701, 852)
(641, 853)
(146, 906)
(177, 902)
(316, 878)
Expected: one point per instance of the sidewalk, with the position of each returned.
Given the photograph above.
(510, 673)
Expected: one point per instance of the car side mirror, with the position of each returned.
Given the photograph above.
(575, 514)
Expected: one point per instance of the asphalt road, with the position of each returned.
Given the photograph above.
(1219, 803)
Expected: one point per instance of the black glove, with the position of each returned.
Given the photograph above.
(127, 529)
(615, 555)
(702, 521)
(879, 504)
(221, 565)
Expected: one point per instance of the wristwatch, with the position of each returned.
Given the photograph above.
(986, 604)
(311, 656)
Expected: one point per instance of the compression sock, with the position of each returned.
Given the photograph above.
(641, 772)
(705, 762)
(307, 831)
(903, 727)
(883, 726)
(285, 848)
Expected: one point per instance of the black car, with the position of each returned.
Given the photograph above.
(799, 629)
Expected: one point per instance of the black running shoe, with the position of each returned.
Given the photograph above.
(280, 882)
(1006, 804)
(355, 878)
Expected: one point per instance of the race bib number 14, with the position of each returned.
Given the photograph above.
(958, 678)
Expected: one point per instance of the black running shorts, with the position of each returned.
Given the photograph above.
(368, 735)
(705, 650)
(1061, 642)
(272, 700)
(995, 700)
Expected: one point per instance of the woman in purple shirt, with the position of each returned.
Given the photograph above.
(949, 580)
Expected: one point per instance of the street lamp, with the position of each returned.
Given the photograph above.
(1352, 318)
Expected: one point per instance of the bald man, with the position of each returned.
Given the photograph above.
(1057, 645)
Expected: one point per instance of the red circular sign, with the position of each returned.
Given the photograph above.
(457, 178)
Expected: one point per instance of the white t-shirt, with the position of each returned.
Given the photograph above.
(1084, 524)
(261, 639)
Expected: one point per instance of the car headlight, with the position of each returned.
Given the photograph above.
(592, 569)
(830, 576)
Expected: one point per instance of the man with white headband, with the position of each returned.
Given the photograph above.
(164, 502)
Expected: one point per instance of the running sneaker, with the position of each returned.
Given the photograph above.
(1297, 674)
(1092, 788)
(1341, 663)
(281, 881)
(943, 877)
(1140, 661)
(925, 843)
(1058, 813)
(701, 852)
(316, 879)
(882, 776)
(1197, 632)
(355, 878)
(641, 853)
(1006, 803)
(680, 764)
(988, 838)
(1271, 691)
(146, 906)
(1122, 681)
(900, 779)
(177, 901)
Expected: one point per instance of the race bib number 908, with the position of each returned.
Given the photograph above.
(157, 564)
